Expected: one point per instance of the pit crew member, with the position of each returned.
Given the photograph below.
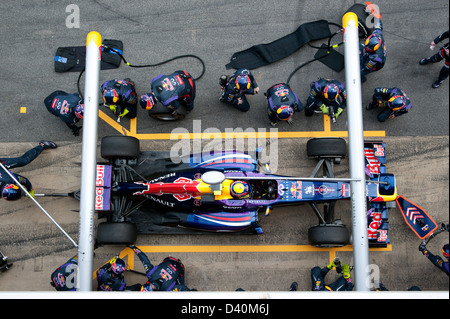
(394, 102)
(64, 277)
(236, 86)
(282, 103)
(110, 276)
(435, 259)
(373, 51)
(325, 94)
(172, 91)
(443, 54)
(167, 276)
(120, 97)
(27, 157)
(343, 283)
(68, 107)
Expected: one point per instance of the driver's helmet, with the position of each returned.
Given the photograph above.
(397, 103)
(243, 82)
(331, 92)
(79, 111)
(240, 189)
(147, 101)
(284, 112)
(372, 43)
(118, 267)
(11, 192)
(445, 251)
(110, 95)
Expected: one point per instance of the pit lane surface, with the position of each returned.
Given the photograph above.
(417, 143)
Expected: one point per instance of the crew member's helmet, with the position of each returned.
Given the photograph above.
(79, 111)
(118, 267)
(397, 103)
(11, 192)
(243, 82)
(331, 92)
(284, 112)
(147, 101)
(445, 251)
(240, 189)
(110, 95)
(373, 43)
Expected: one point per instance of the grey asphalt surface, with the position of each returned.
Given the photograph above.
(417, 143)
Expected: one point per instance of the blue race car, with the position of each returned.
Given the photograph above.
(150, 192)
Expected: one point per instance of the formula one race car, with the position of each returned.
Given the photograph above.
(150, 192)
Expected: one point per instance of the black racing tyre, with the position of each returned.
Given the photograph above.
(116, 233)
(363, 29)
(328, 236)
(119, 147)
(168, 117)
(326, 147)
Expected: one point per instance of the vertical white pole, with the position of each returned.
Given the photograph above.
(88, 162)
(356, 151)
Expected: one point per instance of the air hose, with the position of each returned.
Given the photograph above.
(320, 57)
(147, 65)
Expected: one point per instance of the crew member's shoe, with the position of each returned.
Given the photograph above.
(48, 144)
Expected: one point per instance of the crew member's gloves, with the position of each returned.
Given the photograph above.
(339, 111)
(346, 271)
(423, 249)
(76, 130)
(124, 113)
(324, 109)
(112, 108)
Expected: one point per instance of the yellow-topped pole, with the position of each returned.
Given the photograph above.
(356, 152)
(89, 162)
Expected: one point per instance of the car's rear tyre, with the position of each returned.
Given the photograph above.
(326, 147)
(328, 236)
(123, 233)
(119, 147)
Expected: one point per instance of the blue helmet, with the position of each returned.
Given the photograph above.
(118, 267)
(11, 192)
(110, 95)
(147, 101)
(373, 43)
(243, 82)
(284, 112)
(397, 102)
(331, 92)
(79, 111)
(445, 251)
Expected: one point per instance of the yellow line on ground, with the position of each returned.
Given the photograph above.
(127, 252)
(230, 135)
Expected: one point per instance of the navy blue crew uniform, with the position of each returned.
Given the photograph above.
(326, 93)
(282, 103)
(373, 51)
(120, 97)
(235, 87)
(110, 276)
(435, 259)
(443, 54)
(68, 107)
(64, 277)
(28, 156)
(167, 276)
(173, 90)
(394, 102)
(343, 283)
